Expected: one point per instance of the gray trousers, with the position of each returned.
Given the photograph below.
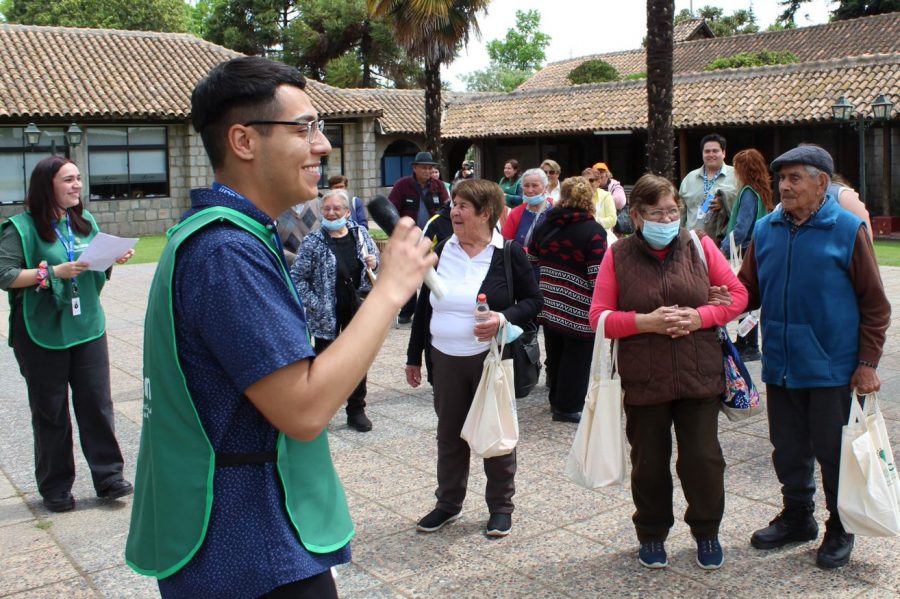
(455, 381)
(49, 373)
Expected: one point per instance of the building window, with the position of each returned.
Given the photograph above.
(397, 161)
(127, 162)
(333, 164)
(17, 160)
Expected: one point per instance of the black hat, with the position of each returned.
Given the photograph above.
(811, 155)
(424, 158)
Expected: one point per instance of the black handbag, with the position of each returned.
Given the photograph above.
(526, 353)
(624, 225)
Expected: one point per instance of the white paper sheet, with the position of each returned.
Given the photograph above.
(104, 250)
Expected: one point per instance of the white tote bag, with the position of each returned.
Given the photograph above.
(868, 489)
(492, 426)
(597, 457)
(736, 257)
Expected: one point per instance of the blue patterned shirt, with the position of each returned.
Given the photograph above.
(237, 321)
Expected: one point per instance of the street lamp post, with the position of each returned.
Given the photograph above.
(881, 109)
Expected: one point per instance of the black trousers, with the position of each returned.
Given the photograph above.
(409, 308)
(320, 586)
(568, 368)
(49, 373)
(356, 403)
(700, 466)
(805, 427)
(455, 381)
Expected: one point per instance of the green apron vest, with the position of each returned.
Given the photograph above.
(760, 210)
(175, 466)
(48, 312)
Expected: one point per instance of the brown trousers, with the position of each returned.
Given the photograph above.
(455, 381)
(700, 466)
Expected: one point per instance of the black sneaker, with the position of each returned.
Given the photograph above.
(62, 502)
(435, 520)
(498, 525)
(566, 416)
(359, 421)
(836, 546)
(795, 524)
(404, 319)
(119, 488)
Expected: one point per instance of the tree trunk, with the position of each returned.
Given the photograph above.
(660, 133)
(365, 48)
(433, 109)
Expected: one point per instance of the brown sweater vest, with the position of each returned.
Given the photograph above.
(655, 368)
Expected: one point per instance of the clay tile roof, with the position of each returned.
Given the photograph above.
(879, 34)
(691, 29)
(776, 95)
(403, 110)
(60, 72)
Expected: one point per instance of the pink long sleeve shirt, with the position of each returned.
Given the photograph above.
(624, 324)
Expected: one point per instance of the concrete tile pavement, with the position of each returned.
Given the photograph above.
(566, 541)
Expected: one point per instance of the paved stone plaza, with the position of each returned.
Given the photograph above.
(566, 541)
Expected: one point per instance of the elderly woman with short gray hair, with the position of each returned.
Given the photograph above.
(330, 274)
(525, 217)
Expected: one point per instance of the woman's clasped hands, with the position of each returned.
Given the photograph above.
(674, 321)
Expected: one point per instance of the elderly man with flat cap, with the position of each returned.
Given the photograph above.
(811, 268)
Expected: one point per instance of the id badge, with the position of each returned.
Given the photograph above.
(76, 306)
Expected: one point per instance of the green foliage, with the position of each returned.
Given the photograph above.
(344, 71)
(846, 9)
(752, 59)
(634, 76)
(523, 47)
(741, 21)
(198, 16)
(593, 71)
(312, 35)
(514, 58)
(140, 15)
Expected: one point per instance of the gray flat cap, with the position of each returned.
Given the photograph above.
(811, 155)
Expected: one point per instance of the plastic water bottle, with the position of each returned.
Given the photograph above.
(746, 325)
(482, 310)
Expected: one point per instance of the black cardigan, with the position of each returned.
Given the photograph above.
(527, 295)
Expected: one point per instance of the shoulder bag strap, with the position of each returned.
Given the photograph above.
(507, 268)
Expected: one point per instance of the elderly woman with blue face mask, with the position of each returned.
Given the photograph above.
(657, 286)
(332, 274)
(524, 218)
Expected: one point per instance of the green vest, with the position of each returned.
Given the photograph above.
(173, 491)
(760, 210)
(48, 312)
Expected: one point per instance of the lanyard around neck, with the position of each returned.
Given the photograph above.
(70, 245)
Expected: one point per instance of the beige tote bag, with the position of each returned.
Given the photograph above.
(597, 457)
(492, 426)
(868, 487)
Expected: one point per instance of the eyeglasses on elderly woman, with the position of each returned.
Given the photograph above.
(658, 215)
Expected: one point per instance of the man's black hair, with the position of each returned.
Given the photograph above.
(712, 137)
(236, 91)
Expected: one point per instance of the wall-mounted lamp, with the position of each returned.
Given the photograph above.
(32, 135)
(881, 112)
(74, 135)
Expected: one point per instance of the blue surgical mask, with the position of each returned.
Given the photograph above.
(334, 225)
(534, 200)
(660, 235)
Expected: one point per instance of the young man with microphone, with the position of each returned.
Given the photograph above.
(235, 493)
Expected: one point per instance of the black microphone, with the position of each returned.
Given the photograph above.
(385, 214)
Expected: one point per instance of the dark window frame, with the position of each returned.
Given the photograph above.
(127, 148)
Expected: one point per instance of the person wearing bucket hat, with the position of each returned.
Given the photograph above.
(419, 197)
(811, 269)
(607, 183)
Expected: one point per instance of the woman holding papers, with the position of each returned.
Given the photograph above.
(58, 333)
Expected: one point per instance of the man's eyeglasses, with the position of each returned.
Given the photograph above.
(311, 127)
(657, 215)
(592, 180)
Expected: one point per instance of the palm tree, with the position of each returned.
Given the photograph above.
(660, 44)
(433, 30)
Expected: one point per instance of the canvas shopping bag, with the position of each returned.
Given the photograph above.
(736, 258)
(492, 426)
(868, 487)
(597, 457)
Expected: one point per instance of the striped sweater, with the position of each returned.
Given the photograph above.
(568, 246)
